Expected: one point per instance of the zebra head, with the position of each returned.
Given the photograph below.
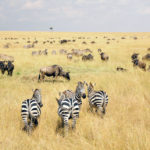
(80, 90)
(37, 96)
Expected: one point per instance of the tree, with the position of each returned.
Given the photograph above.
(51, 28)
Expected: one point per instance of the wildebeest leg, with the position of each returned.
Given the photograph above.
(42, 76)
(3, 71)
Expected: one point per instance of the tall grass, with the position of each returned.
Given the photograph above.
(126, 125)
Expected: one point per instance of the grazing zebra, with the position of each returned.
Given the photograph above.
(31, 110)
(69, 105)
(97, 99)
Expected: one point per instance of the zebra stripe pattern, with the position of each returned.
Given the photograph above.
(78, 94)
(31, 110)
(69, 105)
(97, 99)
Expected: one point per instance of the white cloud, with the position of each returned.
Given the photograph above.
(71, 12)
(145, 11)
(38, 4)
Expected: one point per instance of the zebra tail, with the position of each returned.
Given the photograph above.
(104, 106)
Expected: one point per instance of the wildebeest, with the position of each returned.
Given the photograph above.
(6, 66)
(62, 51)
(104, 56)
(140, 64)
(99, 50)
(134, 56)
(121, 69)
(54, 70)
(84, 42)
(34, 53)
(93, 42)
(44, 52)
(87, 57)
(3, 66)
(10, 68)
(146, 57)
(69, 56)
(53, 52)
(63, 41)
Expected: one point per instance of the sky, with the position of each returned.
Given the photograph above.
(75, 15)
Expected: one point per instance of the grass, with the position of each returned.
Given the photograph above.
(126, 125)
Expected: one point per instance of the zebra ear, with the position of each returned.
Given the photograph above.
(85, 83)
(32, 90)
(94, 84)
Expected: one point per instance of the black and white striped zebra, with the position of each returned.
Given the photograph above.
(31, 110)
(78, 94)
(97, 99)
(69, 105)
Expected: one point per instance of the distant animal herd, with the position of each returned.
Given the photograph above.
(69, 102)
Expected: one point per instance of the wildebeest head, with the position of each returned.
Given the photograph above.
(81, 89)
(37, 96)
(134, 56)
(66, 75)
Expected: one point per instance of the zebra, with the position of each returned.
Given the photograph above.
(31, 110)
(69, 105)
(79, 92)
(97, 99)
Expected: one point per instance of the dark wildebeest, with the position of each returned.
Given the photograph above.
(87, 57)
(134, 56)
(54, 70)
(63, 41)
(10, 68)
(146, 57)
(104, 56)
(140, 64)
(121, 69)
(3, 66)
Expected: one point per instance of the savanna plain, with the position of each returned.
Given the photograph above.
(126, 124)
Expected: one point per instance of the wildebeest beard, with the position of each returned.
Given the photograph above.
(66, 75)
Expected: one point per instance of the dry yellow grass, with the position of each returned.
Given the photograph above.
(126, 125)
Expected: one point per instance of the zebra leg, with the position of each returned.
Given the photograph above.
(35, 121)
(66, 126)
(26, 127)
(91, 107)
(74, 122)
(31, 126)
(100, 110)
